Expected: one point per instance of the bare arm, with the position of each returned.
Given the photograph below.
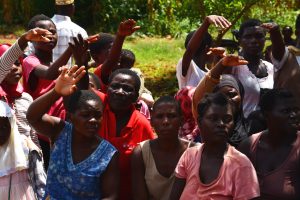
(195, 41)
(110, 180)
(177, 188)
(36, 115)
(139, 187)
(278, 46)
(126, 28)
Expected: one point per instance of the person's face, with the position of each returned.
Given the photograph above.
(87, 118)
(121, 92)
(166, 120)
(100, 57)
(284, 116)
(47, 46)
(15, 74)
(5, 130)
(216, 125)
(253, 40)
(232, 94)
(287, 32)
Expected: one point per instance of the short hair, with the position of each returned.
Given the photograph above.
(206, 41)
(96, 80)
(217, 98)
(297, 25)
(105, 39)
(170, 100)
(127, 59)
(270, 99)
(36, 18)
(246, 24)
(80, 97)
(137, 81)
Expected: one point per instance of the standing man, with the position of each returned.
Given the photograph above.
(66, 29)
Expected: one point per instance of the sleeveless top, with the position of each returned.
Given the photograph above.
(283, 182)
(159, 187)
(67, 180)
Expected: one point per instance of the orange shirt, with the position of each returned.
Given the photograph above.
(236, 180)
(137, 130)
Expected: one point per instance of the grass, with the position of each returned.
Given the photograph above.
(157, 58)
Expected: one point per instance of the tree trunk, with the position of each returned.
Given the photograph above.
(7, 11)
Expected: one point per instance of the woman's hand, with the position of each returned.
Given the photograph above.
(233, 60)
(217, 51)
(66, 82)
(80, 50)
(218, 21)
(127, 27)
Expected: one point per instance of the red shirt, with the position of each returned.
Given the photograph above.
(103, 86)
(137, 130)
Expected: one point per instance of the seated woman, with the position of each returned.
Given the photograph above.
(82, 165)
(14, 164)
(214, 169)
(154, 161)
(228, 85)
(275, 152)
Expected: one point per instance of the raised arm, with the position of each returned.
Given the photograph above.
(195, 41)
(139, 188)
(278, 46)
(16, 50)
(208, 83)
(126, 28)
(36, 115)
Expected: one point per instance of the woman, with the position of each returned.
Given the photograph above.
(154, 161)
(275, 152)
(228, 85)
(15, 148)
(82, 165)
(214, 169)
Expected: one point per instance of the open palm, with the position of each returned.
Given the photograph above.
(233, 60)
(66, 82)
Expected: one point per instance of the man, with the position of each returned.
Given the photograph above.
(66, 29)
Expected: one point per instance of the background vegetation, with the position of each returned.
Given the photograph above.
(159, 44)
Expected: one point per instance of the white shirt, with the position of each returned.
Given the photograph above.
(252, 85)
(279, 63)
(192, 77)
(66, 29)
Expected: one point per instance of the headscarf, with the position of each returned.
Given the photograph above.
(12, 155)
(241, 128)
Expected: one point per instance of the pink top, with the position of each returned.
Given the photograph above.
(236, 180)
(43, 86)
(286, 176)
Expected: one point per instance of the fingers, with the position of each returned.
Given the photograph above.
(64, 70)
(93, 38)
(41, 31)
(136, 28)
(79, 73)
(222, 22)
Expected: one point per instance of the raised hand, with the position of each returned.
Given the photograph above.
(80, 50)
(270, 26)
(217, 51)
(38, 35)
(66, 82)
(127, 27)
(93, 38)
(233, 60)
(218, 21)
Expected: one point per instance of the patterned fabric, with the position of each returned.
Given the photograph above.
(8, 59)
(189, 130)
(66, 29)
(76, 181)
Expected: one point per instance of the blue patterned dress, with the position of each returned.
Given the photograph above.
(67, 180)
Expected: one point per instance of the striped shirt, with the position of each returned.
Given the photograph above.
(8, 59)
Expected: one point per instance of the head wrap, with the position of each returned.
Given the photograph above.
(12, 154)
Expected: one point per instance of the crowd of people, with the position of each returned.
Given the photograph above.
(77, 122)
